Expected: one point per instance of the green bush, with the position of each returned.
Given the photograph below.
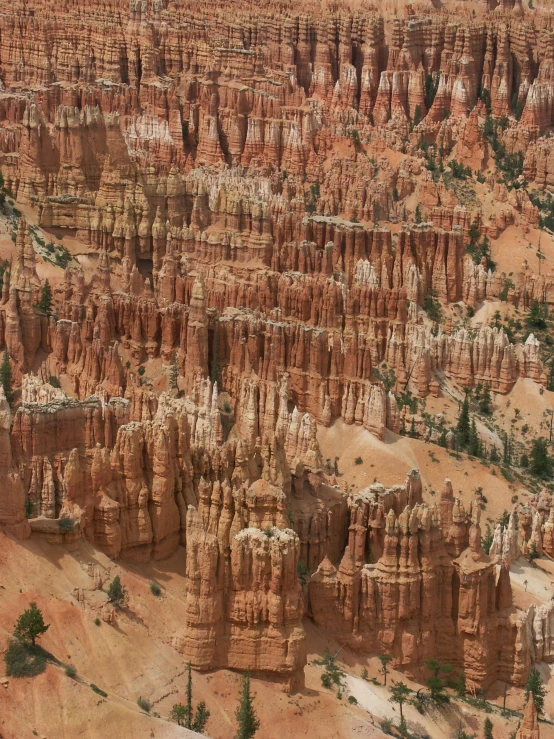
(144, 704)
(358, 460)
(97, 621)
(155, 589)
(24, 660)
(98, 690)
(66, 524)
(71, 671)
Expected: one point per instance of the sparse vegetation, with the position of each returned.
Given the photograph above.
(71, 671)
(24, 660)
(385, 660)
(66, 524)
(536, 686)
(30, 625)
(117, 593)
(332, 674)
(6, 376)
(144, 704)
(247, 720)
(155, 589)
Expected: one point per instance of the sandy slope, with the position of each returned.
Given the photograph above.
(389, 461)
(133, 658)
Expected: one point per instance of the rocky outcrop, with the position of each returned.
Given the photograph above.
(529, 728)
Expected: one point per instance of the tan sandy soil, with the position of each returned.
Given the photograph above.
(389, 461)
(513, 247)
(133, 658)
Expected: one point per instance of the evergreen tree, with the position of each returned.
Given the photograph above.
(385, 659)
(550, 381)
(413, 434)
(45, 302)
(200, 718)
(537, 315)
(189, 697)
(399, 694)
(474, 445)
(485, 401)
(541, 461)
(30, 625)
(183, 715)
(6, 376)
(248, 723)
(178, 714)
(507, 455)
(117, 593)
(535, 685)
(487, 729)
(461, 687)
(463, 427)
(436, 684)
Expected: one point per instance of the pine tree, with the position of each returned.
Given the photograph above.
(485, 401)
(537, 314)
(399, 694)
(541, 461)
(487, 729)
(117, 593)
(474, 446)
(535, 685)
(436, 684)
(463, 427)
(178, 714)
(385, 659)
(183, 715)
(30, 625)
(507, 450)
(248, 723)
(45, 302)
(189, 698)
(6, 376)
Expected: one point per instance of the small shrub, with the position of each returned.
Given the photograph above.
(227, 407)
(23, 660)
(98, 690)
(71, 671)
(358, 460)
(386, 726)
(365, 674)
(54, 381)
(352, 700)
(66, 524)
(326, 680)
(144, 704)
(97, 621)
(141, 371)
(155, 589)
(268, 531)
